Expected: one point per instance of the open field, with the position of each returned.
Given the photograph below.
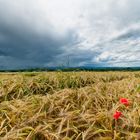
(69, 106)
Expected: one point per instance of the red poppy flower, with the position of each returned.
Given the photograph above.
(117, 115)
(124, 101)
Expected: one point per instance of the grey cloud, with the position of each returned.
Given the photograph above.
(99, 34)
(131, 34)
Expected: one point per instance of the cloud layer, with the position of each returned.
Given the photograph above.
(52, 32)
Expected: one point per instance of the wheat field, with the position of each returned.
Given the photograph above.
(69, 106)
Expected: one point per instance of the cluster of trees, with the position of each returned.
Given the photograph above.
(75, 69)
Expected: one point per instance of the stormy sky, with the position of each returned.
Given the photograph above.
(46, 33)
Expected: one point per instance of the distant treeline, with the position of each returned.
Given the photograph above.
(75, 69)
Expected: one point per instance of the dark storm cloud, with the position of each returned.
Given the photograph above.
(28, 47)
(22, 45)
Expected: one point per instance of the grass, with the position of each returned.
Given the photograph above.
(69, 106)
